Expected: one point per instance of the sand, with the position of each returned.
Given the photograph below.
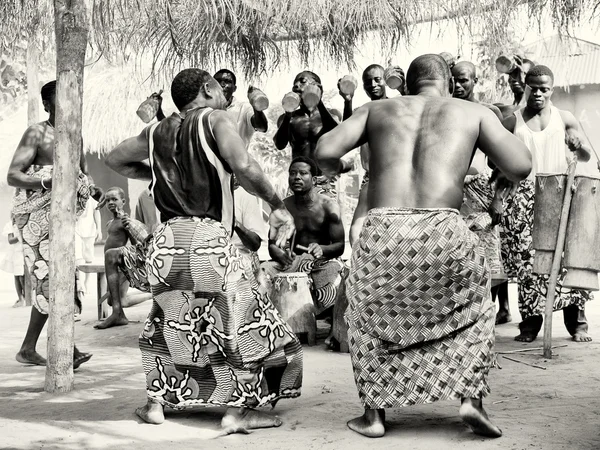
(557, 408)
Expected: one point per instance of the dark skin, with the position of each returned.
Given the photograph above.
(516, 81)
(37, 148)
(303, 128)
(249, 238)
(317, 218)
(259, 119)
(537, 114)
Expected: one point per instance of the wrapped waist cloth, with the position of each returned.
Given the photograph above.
(421, 320)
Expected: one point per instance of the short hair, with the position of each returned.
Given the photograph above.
(372, 67)
(465, 64)
(118, 190)
(226, 71)
(540, 71)
(186, 86)
(313, 75)
(306, 160)
(430, 67)
(48, 91)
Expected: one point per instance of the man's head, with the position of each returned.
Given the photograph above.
(374, 82)
(427, 72)
(516, 79)
(192, 88)
(305, 78)
(465, 79)
(228, 81)
(302, 174)
(539, 87)
(115, 199)
(49, 96)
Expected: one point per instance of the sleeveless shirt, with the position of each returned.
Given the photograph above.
(547, 147)
(190, 178)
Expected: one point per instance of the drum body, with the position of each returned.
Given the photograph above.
(291, 296)
(549, 195)
(582, 243)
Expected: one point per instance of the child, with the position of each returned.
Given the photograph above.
(121, 229)
(14, 261)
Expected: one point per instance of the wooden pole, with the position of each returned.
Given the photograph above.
(71, 26)
(556, 261)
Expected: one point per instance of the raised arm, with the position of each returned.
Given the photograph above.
(129, 157)
(23, 158)
(282, 136)
(336, 231)
(575, 138)
(346, 136)
(259, 121)
(507, 152)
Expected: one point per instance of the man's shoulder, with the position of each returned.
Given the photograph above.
(329, 204)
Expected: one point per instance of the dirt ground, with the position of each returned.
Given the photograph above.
(556, 408)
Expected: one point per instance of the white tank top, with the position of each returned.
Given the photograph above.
(547, 147)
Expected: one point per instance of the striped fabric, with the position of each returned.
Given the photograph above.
(421, 321)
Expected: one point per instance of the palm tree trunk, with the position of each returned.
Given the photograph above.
(71, 25)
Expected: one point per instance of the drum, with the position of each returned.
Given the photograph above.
(348, 84)
(549, 194)
(582, 243)
(290, 293)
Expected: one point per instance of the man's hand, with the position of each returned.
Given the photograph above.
(315, 250)
(282, 257)
(346, 97)
(281, 226)
(125, 220)
(98, 236)
(573, 142)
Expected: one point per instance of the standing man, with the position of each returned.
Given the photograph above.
(213, 336)
(421, 323)
(303, 127)
(483, 205)
(516, 82)
(31, 173)
(544, 129)
(243, 114)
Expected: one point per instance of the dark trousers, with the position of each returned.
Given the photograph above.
(574, 319)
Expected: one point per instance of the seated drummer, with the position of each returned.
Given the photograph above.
(319, 240)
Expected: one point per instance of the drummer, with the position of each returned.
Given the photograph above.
(544, 129)
(319, 241)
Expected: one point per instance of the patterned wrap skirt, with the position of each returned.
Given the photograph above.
(420, 316)
(213, 337)
(518, 255)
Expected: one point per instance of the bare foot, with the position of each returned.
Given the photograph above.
(582, 336)
(240, 420)
(30, 357)
(79, 358)
(19, 303)
(370, 424)
(503, 317)
(114, 320)
(525, 337)
(472, 413)
(152, 412)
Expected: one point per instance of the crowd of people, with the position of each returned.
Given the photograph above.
(443, 222)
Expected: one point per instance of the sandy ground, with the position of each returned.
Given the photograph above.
(556, 408)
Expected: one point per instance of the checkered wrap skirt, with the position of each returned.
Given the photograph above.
(421, 322)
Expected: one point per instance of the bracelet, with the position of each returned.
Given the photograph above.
(43, 186)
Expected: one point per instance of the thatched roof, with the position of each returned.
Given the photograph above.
(259, 34)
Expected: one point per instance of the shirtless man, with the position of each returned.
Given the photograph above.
(303, 127)
(516, 82)
(481, 200)
(544, 129)
(416, 256)
(319, 240)
(31, 172)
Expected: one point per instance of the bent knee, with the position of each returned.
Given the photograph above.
(112, 256)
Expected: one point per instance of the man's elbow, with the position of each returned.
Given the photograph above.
(520, 172)
(10, 178)
(112, 161)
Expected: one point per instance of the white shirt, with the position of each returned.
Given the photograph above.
(86, 226)
(242, 113)
(249, 213)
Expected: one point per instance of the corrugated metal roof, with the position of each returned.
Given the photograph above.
(573, 61)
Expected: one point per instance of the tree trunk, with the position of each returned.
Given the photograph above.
(33, 116)
(71, 25)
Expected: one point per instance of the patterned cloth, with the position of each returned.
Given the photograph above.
(421, 320)
(326, 277)
(31, 214)
(478, 196)
(365, 179)
(213, 336)
(518, 254)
